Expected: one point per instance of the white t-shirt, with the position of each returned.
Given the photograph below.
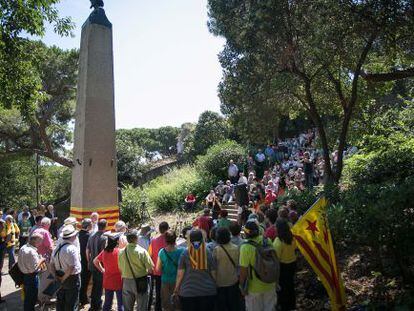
(69, 256)
(243, 180)
(28, 259)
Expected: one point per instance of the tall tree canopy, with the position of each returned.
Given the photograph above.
(45, 128)
(318, 56)
(20, 85)
(210, 129)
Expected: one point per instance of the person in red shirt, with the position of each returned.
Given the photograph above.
(107, 263)
(155, 246)
(204, 222)
(270, 197)
(190, 201)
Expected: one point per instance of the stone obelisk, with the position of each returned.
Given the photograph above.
(94, 175)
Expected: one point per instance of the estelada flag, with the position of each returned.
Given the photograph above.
(314, 241)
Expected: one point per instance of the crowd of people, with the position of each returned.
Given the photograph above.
(211, 265)
(214, 264)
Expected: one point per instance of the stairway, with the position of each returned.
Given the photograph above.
(231, 208)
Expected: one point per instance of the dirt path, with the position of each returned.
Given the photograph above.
(9, 292)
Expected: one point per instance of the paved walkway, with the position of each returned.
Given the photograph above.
(10, 293)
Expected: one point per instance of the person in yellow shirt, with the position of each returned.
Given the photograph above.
(11, 233)
(285, 246)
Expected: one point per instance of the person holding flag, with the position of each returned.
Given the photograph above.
(314, 241)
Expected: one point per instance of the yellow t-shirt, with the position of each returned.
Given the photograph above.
(285, 252)
(248, 260)
(10, 230)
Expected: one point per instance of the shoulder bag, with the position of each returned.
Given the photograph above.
(141, 282)
(228, 255)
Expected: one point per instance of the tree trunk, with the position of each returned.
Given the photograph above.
(341, 146)
(316, 118)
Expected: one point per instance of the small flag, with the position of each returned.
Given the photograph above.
(314, 241)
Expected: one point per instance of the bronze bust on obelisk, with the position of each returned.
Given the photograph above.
(97, 4)
(98, 14)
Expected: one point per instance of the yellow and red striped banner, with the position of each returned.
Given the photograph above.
(314, 240)
(111, 214)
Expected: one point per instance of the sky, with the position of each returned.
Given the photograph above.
(165, 59)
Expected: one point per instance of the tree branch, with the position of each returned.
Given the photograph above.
(388, 76)
(338, 88)
(358, 69)
(351, 104)
(30, 151)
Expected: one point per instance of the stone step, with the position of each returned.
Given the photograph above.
(229, 207)
(231, 212)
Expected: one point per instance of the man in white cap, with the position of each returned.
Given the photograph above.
(67, 267)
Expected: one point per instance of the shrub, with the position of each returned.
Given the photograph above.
(216, 161)
(304, 199)
(393, 161)
(130, 208)
(376, 205)
(167, 192)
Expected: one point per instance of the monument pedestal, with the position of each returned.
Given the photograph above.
(94, 175)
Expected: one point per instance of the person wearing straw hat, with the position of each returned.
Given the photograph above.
(70, 221)
(66, 265)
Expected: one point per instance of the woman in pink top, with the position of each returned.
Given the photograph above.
(107, 263)
(155, 246)
(45, 248)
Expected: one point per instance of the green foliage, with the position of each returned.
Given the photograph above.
(20, 85)
(210, 129)
(304, 199)
(45, 129)
(135, 146)
(17, 182)
(130, 164)
(380, 216)
(55, 182)
(215, 162)
(163, 139)
(376, 205)
(286, 57)
(387, 153)
(167, 193)
(130, 208)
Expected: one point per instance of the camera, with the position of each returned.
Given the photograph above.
(60, 273)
